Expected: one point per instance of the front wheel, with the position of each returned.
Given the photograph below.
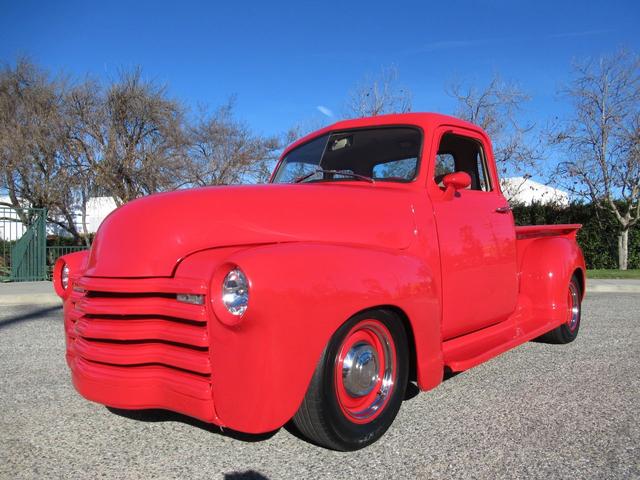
(359, 383)
(568, 331)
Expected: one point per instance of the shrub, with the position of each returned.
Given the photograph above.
(598, 236)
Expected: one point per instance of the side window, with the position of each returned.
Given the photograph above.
(462, 154)
(404, 169)
(445, 164)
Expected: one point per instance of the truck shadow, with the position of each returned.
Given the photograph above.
(411, 392)
(158, 415)
(32, 314)
(449, 374)
(248, 475)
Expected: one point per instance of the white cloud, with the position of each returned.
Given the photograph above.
(446, 44)
(583, 33)
(324, 110)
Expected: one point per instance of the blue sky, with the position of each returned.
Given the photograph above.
(285, 59)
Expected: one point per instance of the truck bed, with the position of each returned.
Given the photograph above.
(537, 231)
(528, 234)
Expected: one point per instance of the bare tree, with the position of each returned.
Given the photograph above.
(224, 151)
(601, 139)
(82, 151)
(379, 94)
(143, 139)
(495, 107)
(31, 136)
(129, 140)
(62, 143)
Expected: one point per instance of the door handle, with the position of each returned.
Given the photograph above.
(506, 209)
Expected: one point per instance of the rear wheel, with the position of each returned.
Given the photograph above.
(359, 383)
(568, 331)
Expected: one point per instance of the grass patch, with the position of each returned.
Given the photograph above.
(633, 273)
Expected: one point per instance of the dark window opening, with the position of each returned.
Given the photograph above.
(385, 154)
(462, 154)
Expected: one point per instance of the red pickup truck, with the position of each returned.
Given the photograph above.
(382, 251)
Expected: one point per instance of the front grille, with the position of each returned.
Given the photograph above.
(136, 324)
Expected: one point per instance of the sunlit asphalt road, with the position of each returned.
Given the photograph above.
(540, 411)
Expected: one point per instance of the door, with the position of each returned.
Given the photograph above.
(476, 235)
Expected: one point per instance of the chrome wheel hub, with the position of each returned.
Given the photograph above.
(360, 370)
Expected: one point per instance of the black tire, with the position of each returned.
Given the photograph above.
(322, 418)
(567, 332)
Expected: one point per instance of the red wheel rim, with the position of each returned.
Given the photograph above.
(573, 307)
(365, 371)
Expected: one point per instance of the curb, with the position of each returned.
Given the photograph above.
(31, 299)
(612, 288)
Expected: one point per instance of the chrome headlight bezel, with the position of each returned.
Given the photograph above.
(64, 276)
(234, 293)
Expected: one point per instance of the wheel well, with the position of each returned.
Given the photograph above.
(402, 316)
(579, 274)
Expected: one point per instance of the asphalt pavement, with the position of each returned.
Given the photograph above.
(539, 411)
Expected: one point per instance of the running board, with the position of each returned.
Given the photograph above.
(462, 353)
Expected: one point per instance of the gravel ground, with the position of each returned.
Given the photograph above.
(539, 411)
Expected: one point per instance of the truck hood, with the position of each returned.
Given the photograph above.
(149, 236)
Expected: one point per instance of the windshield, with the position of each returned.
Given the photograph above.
(386, 153)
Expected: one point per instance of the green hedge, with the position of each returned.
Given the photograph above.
(60, 241)
(598, 236)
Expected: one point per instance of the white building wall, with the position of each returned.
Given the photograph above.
(97, 210)
(9, 230)
(526, 191)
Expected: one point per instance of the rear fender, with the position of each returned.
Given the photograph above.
(300, 294)
(547, 266)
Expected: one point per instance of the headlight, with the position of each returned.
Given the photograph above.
(64, 276)
(235, 292)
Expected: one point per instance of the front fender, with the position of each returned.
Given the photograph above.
(300, 293)
(77, 262)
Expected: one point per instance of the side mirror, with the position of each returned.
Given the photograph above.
(454, 182)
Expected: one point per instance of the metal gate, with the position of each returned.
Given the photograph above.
(23, 242)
